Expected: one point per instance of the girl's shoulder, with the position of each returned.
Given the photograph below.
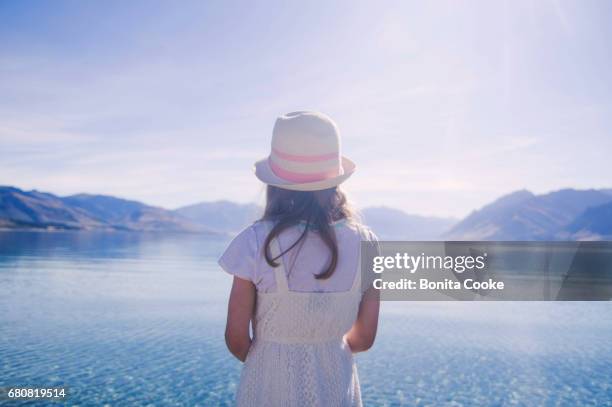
(363, 230)
(240, 255)
(255, 233)
(260, 228)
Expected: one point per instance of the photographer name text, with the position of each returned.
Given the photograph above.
(411, 264)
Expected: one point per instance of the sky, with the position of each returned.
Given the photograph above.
(444, 105)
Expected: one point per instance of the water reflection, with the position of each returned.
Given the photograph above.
(127, 318)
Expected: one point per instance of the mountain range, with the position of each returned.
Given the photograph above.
(567, 214)
(221, 216)
(41, 210)
(394, 224)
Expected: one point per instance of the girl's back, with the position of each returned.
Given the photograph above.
(298, 355)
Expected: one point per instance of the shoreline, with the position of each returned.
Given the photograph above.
(110, 230)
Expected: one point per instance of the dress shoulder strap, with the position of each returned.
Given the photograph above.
(279, 272)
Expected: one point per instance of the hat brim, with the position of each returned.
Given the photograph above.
(266, 175)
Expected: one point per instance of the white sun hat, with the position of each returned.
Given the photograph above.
(305, 154)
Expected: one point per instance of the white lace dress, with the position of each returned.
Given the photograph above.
(298, 356)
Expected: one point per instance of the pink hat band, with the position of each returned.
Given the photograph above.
(278, 158)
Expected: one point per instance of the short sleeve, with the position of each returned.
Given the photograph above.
(240, 256)
(367, 235)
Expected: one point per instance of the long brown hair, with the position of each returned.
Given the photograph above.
(318, 209)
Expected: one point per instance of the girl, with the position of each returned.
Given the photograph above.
(297, 276)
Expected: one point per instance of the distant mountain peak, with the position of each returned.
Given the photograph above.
(522, 215)
(395, 224)
(221, 215)
(513, 198)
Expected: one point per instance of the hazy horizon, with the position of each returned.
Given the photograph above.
(261, 203)
(444, 107)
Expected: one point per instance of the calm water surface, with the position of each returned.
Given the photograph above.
(126, 318)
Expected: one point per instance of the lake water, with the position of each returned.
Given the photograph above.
(126, 318)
